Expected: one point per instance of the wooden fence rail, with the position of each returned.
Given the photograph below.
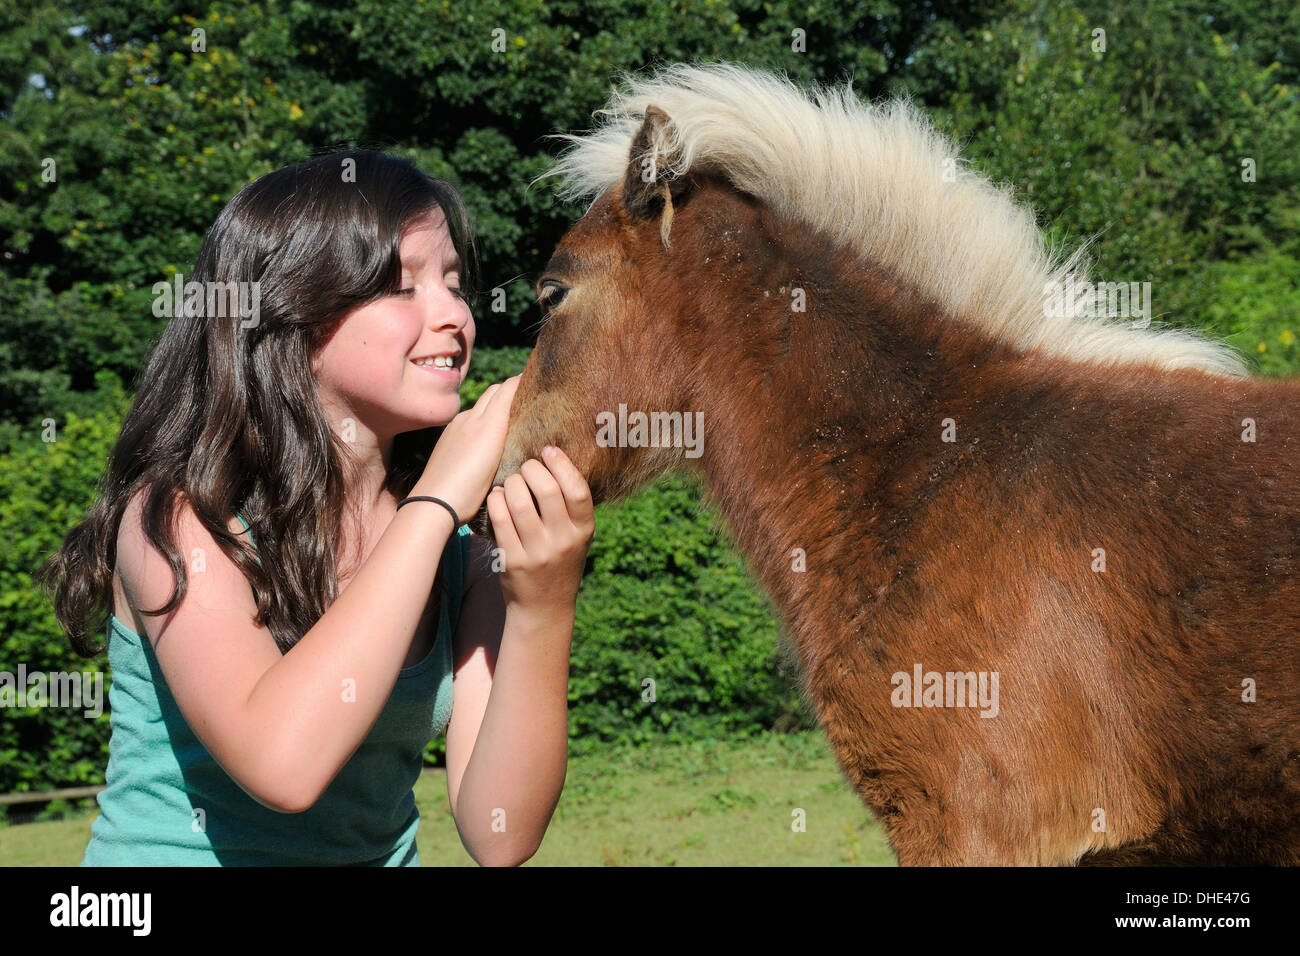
(37, 796)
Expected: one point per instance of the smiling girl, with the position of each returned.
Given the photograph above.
(287, 629)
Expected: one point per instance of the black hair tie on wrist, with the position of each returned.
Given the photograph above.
(455, 522)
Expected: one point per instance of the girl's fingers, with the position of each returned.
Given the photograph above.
(528, 525)
(503, 526)
(546, 490)
(577, 495)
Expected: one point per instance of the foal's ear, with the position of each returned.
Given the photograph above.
(645, 182)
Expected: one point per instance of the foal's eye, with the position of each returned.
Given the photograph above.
(552, 295)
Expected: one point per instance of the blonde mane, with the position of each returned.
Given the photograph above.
(883, 181)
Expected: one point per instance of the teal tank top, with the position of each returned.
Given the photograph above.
(160, 776)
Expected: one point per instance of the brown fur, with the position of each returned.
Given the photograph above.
(1120, 691)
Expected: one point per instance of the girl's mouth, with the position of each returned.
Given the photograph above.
(438, 365)
(450, 374)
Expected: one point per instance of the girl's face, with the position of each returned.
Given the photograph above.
(367, 370)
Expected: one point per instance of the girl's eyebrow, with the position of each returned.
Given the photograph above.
(416, 261)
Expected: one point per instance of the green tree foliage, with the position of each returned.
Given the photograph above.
(1139, 135)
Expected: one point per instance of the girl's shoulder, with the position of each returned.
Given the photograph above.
(133, 515)
(132, 549)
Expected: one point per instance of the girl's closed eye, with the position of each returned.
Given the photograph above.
(457, 292)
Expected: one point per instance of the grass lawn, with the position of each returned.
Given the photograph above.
(727, 803)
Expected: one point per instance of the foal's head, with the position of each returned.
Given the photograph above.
(622, 318)
(676, 285)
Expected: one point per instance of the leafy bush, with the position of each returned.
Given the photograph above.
(46, 486)
(1255, 304)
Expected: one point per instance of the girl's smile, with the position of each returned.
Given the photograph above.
(450, 374)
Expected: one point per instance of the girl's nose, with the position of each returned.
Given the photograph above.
(448, 310)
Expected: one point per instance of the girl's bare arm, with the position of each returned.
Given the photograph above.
(282, 726)
(519, 743)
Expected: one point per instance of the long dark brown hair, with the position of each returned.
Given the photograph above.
(228, 419)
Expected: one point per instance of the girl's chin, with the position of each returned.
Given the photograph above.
(437, 418)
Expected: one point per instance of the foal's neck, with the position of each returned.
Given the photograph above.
(826, 426)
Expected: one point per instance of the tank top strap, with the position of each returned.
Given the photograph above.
(251, 540)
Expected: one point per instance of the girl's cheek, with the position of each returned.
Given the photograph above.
(403, 327)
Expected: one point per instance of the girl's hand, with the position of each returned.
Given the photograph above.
(543, 554)
(461, 466)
